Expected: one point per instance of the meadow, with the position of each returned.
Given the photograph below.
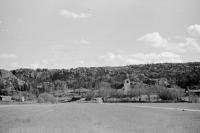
(100, 118)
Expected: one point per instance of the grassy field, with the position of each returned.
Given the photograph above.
(100, 118)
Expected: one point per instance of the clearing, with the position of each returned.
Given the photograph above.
(100, 118)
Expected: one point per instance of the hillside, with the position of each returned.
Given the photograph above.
(44, 80)
(9, 81)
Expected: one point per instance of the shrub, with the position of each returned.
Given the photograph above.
(40, 100)
(16, 96)
(120, 94)
(28, 96)
(113, 93)
(166, 94)
(89, 95)
(194, 99)
(46, 97)
(5, 93)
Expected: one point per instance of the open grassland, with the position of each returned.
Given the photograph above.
(100, 118)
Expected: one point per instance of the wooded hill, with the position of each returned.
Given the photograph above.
(47, 80)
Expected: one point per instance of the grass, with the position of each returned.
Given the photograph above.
(97, 118)
(17, 102)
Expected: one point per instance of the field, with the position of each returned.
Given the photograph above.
(100, 118)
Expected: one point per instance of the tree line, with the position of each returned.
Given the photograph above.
(48, 80)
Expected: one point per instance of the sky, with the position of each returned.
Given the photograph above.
(57, 34)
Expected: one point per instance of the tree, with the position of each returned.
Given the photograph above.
(90, 95)
(120, 94)
(104, 90)
(139, 90)
(148, 92)
(157, 90)
(131, 94)
(113, 93)
(15, 84)
(167, 94)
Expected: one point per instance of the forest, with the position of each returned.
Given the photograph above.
(181, 75)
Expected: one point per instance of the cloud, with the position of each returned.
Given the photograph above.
(191, 44)
(108, 57)
(84, 41)
(140, 58)
(194, 30)
(34, 66)
(69, 14)
(16, 65)
(157, 58)
(6, 56)
(156, 40)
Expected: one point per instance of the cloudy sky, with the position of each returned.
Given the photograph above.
(84, 33)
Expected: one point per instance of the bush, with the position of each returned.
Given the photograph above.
(28, 96)
(16, 96)
(166, 94)
(120, 94)
(40, 100)
(194, 99)
(90, 96)
(46, 97)
(5, 93)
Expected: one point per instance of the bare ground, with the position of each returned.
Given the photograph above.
(100, 118)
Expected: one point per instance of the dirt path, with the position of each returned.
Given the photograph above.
(96, 118)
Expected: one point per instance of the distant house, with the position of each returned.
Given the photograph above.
(83, 92)
(195, 92)
(6, 98)
(194, 95)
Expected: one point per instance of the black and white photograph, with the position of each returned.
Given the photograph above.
(99, 66)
